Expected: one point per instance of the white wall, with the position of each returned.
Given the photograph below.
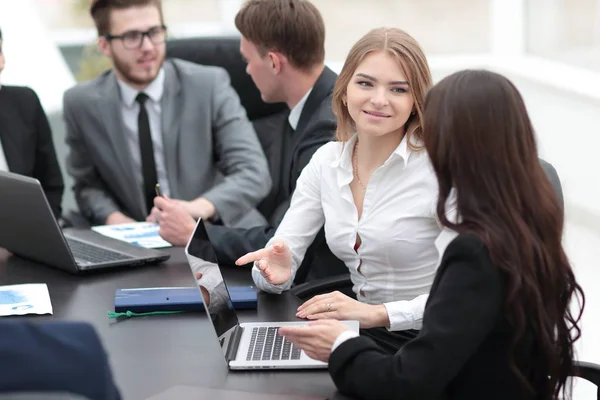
(32, 59)
(568, 130)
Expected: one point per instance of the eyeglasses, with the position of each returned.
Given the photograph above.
(134, 39)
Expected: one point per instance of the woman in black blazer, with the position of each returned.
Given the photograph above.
(26, 139)
(497, 324)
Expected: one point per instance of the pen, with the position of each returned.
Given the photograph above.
(157, 189)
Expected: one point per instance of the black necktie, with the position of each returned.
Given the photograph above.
(146, 152)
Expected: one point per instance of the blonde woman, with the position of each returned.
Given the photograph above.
(374, 191)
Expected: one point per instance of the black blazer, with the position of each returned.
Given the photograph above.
(316, 127)
(27, 141)
(462, 349)
(54, 357)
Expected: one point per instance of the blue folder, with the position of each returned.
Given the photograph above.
(142, 300)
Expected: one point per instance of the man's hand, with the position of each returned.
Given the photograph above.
(337, 305)
(316, 339)
(199, 208)
(176, 225)
(273, 262)
(118, 217)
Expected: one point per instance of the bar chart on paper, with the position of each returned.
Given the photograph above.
(144, 234)
(32, 298)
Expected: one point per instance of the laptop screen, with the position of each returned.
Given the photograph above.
(217, 301)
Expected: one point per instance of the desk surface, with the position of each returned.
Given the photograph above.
(151, 355)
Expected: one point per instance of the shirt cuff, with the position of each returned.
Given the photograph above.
(402, 316)
(344, 336)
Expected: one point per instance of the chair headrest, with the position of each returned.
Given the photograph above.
(225, 52)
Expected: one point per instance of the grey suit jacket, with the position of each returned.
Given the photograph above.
(211, 149)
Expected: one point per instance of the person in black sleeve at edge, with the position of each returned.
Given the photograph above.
(26, 145)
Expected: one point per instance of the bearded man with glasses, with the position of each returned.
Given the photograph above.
(150, 121)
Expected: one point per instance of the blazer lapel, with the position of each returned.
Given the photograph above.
(322, 88)
(110, 103)
(171, 105)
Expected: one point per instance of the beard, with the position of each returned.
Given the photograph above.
(127, 72)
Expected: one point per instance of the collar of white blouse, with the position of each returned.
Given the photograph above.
(343, 163)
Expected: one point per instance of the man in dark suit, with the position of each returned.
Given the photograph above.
(149, 121)
(26, 145)
(283, 44)
(54, 358)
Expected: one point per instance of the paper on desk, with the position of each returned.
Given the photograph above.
(144, 234)
(31, 298)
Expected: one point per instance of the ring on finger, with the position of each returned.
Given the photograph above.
(328, 307)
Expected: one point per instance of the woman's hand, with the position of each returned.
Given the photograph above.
(337, 305)
(273, 262)
(316, 338)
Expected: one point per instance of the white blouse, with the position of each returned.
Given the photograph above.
(401, 239)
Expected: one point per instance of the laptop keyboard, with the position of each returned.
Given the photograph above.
(93, 254)
(267, 344)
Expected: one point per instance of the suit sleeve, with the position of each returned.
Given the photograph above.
(462, 310)
(47, 169)
(56, 357)
(232, 243)
(240, 156)
(90, 191)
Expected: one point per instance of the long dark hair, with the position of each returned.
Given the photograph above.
(481, 143)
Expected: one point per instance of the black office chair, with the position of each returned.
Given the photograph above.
(224, 51)
(343, 283)
(590, 372)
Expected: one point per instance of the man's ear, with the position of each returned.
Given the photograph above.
(103, 46)
(277, 61)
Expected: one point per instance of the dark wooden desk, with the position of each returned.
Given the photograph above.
(149, 355)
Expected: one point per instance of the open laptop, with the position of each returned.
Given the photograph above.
(246, 345)
(28, 229)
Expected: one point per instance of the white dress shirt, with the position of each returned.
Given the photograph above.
(296, 111)
(3, 164)
(130, 109)
(401, 240)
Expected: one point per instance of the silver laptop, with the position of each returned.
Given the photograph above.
(28, 229)
(246, 345)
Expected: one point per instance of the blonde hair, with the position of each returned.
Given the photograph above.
(413, 63)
